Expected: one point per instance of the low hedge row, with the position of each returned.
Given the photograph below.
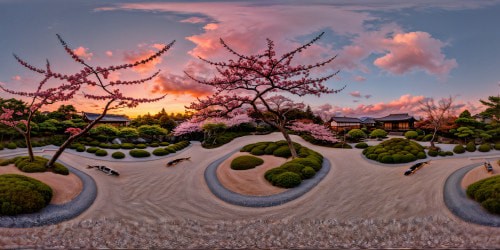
(396, 150)
(291, 173)
(38, 165)
(20, 194)
(486, 192)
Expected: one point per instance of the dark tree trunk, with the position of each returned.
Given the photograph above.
(288, 141)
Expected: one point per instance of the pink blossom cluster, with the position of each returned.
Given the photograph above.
(7, 117)
(73, 131)
(319, 132)
(194, 125)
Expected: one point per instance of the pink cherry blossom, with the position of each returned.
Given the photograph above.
(319, 132)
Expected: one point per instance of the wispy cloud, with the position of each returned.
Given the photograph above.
(83, 52)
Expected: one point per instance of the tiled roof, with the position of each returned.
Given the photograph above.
(346, 119)
(395, 117)
(106, 118)
(367, 120)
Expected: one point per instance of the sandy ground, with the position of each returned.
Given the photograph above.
(354, 190)
(479, 173)
(64, 188)
(250, 181)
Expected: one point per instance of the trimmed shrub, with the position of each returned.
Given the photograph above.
(92, 150)
(282, 151)
(411, 134)
(114, 146)
(101, 152)
(470, 147)
(396, 150)
(104, 145)
(361, 145)
(127, 146)
(21, 194)
(248, 148)
(170, 149)
(271, 173)
(497, 146)
(259, 150)
(356, 134)
(118, 155)
(94, 143)
(11, 145)
(487, 192)
(442, 153)
(270, 148)
(342, 145)
(459, 149)
(60, 169)
(154, 145)
(293, 167)
(80, 148)
(139, 153)
(287, 180)
(421, 155)
(308, 162)
(164, 143)
(1, 146)
(378, 133)
(160, 152)
(246, 162)
(141, 146)
(449, 153)
(432, 153)
(484, 147)
(387, 159)
(39, 165)
(427, 138)
(308, 172)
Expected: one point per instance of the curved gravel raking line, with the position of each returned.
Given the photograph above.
(459, 204)
(53, 214)
(259, 201)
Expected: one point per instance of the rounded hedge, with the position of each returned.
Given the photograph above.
(287, 180)
(164, 143)
(486, 192)
(259, 150)
(160, 152)
(433, 153)
(282, 151)
(484, 147)
(378, 133)
(308, 172)
(154, 145)
(497, 146)
(92, 150)
(396, 150)
(361, 145)
(411, 134)
(141, 146)
(127, 146)
(36, 166)
(170, 149)
(308, 162)
(139, 153)
(101, 152)
(427, 137)
(118, 155)
(246, 162)
(114, 146)
(470, 147)
(80, 148)
(270, 148)
(21, 194)
(459, 149)
(11, 145)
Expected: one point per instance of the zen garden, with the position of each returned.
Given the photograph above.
(252, 162)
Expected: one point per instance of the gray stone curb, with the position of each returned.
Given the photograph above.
(53, 214)
(259, 201)
(465, 208)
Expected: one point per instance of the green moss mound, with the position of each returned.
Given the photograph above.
(246, 162)
(118, 155)
(11, 145)
(361, 145)
(396, 150)
(484, 147)
(411, 134)
(486, 192)
(101, 153)
(470, 147)
(305, 166)
(127, 146)
(92, 150)
(21, 194)
(139, 153)
(141, 146)
(160, 152)
(37, 166)
(459, 149)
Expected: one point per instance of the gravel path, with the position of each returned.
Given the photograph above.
(259, 201)
(53, 214)
(459, 204)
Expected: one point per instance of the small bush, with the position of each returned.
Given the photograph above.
(308, 172)
(80, 148)
(387, 159)
(94, 143)
(308, 162)
(104, 145)
(101, 152)
(411, 134)
(487, 192)
(246, 162)
(442, 153)
(127, 146)
(497, 146)
(484, 147)
(427, 138)
(270, 148)
(37, 166)
(378, 133)
(470, 147)
(92, 150)
(11, 145)
(60, 169)
(259, 150)
(170, 150)
(361, 145)
(459, 149)
(154, 145)
(287, 180)
(272, 173)
(421, 155)
(248, 148)
(118, 155)
(21, 194)
(141, 146)
(114, 146)
(432, 153)
(164, 143)
(160, 152)
(139, 153)
(1, 146)
(449, 153)
(282, 151)
(396, 150)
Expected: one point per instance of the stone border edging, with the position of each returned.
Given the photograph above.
(460, 205)
(259, 201)
(53, 214)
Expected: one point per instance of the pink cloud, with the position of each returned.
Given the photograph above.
(211, 26)
(194, 20)
(143, 53)
(183, 85)
(359, 79)
(16, 78)
(368, 96)
(109, 53)
(356, 94)
(83, 52)
(415, 50)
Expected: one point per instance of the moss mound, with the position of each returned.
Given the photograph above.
(21, 194)
(486, 192)
(246, 162)
(396, 150)
(37, 166)
(118, 155)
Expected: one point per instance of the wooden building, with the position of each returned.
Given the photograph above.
(397, 122)
(114, 120)
(344, 123)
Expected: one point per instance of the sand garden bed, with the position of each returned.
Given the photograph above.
(251, 181)
(64, 187)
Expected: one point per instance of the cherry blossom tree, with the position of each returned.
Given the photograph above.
(319, 132)
(248, 80)
(93, 76)
(437, 114)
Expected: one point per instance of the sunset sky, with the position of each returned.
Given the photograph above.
(391, 54)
